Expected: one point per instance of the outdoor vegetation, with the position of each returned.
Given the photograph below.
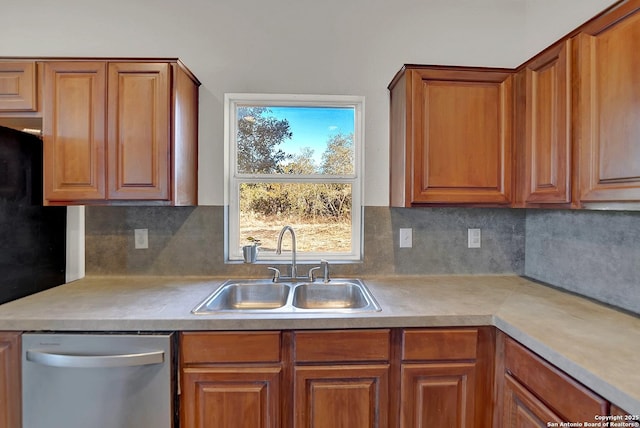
(320, 212)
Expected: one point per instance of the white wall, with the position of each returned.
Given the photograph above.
(293, 46)
(549, 20)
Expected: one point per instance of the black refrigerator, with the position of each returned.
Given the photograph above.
(32, 236)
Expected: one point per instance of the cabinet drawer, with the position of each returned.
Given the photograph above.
(561, 393)
(439, 344)
(18, 86)
(341, 345)
(230, 347)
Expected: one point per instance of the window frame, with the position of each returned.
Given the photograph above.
(233, 179)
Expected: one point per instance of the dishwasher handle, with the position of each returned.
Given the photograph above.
(94, 361)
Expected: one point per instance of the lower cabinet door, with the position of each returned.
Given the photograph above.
(231, 397)
(10, 397)
(522, 409)
(346, 396)
(438, 395)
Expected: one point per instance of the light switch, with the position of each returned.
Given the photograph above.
(406, 237)
(141, 238)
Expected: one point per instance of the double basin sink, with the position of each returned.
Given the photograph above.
(266, 296)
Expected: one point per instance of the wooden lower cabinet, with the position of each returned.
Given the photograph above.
(350, 396)
(438, 395)
(231, 379)
(341, 378)
(532, 392)
(10, 380)
(466, 377)
(231, 397)
(522, 409)
(444, 377)
(368, 378)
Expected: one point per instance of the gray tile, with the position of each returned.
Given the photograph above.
(440, 241)
(190, 241)
(593, 253)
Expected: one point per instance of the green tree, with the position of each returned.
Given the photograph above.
(338, 158)
(302, 163)
(258, 137)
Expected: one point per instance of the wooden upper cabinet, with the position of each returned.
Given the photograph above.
(608, 102)
(544, 128)
(120, 131)
(451, 136)
(74, 130)
(139, 124)
(17, 86)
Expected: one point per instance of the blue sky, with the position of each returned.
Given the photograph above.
(313, 126)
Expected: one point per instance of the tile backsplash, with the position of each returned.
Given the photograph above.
(190, 241)
(592, 253)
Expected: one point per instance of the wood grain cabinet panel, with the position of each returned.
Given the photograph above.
(120, 131)
(445, 377)
(18, 86)
(231, 397)
(608, 101)
(349, 396)
(550, 392)
(231, 379)
(544, 147)
(230, 347)
(74, 131)
(438, 395)
(139, 124)
(522, 409)
(451, 136)
(341, 378)
(342, 345)
(10, 380)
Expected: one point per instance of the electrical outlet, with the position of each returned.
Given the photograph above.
(406, 237)
(474, 238)
(141, 238)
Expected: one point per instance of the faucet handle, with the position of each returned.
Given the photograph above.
(276, 273)
(325, 267)
(311, 276)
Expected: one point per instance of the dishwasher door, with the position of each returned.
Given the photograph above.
(97, 380)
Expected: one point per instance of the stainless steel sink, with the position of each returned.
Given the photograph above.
(342, 295)
(245, 296)
(265, 296)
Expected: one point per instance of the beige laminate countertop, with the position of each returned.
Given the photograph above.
(597, 345)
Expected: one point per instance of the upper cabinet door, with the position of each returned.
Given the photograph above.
(74, 131)
(451, 136)
(608, 104)
(139, 127)
(17, 86)
(547, 118)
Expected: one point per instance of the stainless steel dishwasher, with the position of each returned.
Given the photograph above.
(97, 380)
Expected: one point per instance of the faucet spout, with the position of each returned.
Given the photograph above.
(294, 269)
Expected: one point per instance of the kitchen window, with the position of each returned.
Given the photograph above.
(294, 160)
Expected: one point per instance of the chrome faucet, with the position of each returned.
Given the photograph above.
(294, 269)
